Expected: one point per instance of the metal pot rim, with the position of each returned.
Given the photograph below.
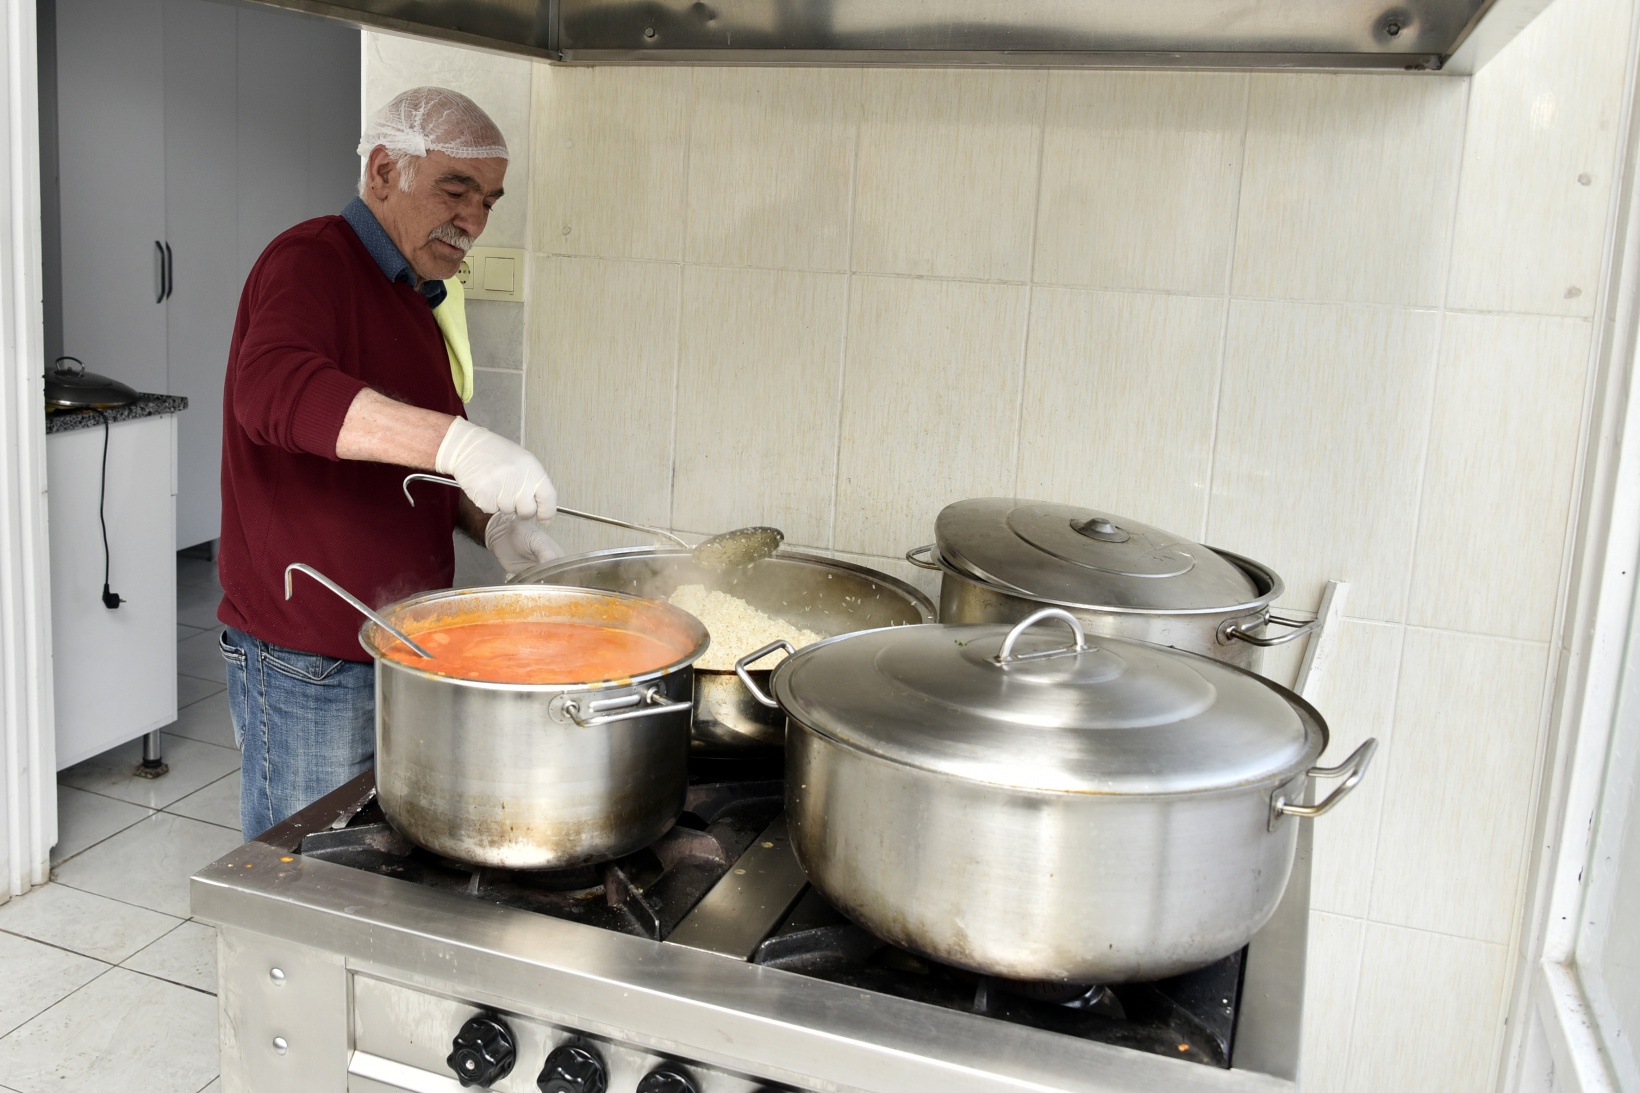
(911, 592)
(369, 632)
(1261, 575)
(1317, 738)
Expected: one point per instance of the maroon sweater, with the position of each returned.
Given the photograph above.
(319, 322)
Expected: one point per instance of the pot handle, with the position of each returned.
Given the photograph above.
(1240, 630)
(358, 605)
(750, 658)
(1005, 655)
(1352, 769)
(649, 703)
(922, 556)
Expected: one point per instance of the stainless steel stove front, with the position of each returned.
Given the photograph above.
(335, 979)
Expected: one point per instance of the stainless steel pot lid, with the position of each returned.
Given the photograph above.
(1034, 707)
(1086, 558)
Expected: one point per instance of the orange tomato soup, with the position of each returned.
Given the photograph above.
(522, 651)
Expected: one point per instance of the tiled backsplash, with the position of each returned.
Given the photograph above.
(1340, 323)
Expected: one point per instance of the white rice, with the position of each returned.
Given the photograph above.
(737, 628)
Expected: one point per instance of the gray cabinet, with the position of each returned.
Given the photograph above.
(190, 133)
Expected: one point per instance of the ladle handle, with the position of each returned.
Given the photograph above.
(441, 480)
(358, 604)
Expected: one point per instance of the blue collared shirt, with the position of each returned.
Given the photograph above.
(393, 264)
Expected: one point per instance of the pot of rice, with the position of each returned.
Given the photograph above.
(802, 598)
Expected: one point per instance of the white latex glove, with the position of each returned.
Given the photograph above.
(519, 544)
(496, 474)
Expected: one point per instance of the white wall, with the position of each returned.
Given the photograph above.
(28, 801)
(1338, 323)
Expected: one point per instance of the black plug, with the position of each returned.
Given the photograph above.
(111, 600)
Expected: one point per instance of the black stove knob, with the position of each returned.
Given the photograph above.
(667, 1079)
(482, 1052)
(573, 1068)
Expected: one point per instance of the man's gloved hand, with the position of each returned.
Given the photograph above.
(518, 544)
(496, 474)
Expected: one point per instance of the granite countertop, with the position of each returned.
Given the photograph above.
(66, 421)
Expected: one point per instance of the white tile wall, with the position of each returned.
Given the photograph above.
(771, 167)
(1459, 784)
(1494, 512)
(1140, 173)
(1324, 320)
(1538, 164)
(759, 446)
(947, 172)
(1347, 193)
(930, 403)
(1448, 1043)
(608, 161)
(1323, 416)
(1107, 376)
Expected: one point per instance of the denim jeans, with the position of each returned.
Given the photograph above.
(305, 723)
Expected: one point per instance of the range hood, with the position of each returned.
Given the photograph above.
(1401, 35)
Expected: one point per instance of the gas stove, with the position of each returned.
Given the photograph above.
(352, 960)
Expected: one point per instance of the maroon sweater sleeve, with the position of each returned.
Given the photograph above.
(288, 390)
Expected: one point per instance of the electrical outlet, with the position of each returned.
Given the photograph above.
(493, 273)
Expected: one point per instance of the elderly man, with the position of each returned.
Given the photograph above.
(340, 380)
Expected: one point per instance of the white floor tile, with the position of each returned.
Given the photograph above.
(85, 819)
(193, 765)
(149, 864)
(37, 978)
(207, 721)
(191, 690)
(185, 632)
(196, 606)
(201, 657)
(124, 1033)
(186, 955)
(217, 803)
(214, 1087)
(84, 922)
(197, 573)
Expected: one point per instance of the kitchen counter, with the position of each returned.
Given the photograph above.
(66, 421)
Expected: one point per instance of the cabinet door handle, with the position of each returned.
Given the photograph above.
(170, 272)
(159, 268)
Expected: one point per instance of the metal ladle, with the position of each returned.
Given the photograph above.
(729, 550)
(358, 604)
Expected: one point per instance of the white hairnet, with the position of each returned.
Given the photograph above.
(434, 119)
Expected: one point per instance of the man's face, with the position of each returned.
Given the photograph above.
(444, 212)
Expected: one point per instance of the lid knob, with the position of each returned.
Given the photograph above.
(1101, 528)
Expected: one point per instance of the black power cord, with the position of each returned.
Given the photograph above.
(110, 599)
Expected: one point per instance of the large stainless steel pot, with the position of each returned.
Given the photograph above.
(1001, 559)
(999, 799)
(819, 594)
(532, 776)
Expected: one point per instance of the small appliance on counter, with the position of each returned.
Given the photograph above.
(70, 387)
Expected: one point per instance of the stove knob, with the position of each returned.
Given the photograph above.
(573, 1068)
(482, 1052)
(667, 1079)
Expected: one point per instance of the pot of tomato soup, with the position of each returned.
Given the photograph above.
(549, 728)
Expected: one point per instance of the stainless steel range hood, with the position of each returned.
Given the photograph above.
(1401, 35)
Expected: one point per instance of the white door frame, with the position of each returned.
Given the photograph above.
(1553, 1044)
(28, 785)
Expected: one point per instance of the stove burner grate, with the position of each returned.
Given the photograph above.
(1187, 1017)
(645, 894)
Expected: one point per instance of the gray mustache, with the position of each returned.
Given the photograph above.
(449, 233)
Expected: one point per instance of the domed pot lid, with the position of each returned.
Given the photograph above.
(1040, 706)
(1087, 558)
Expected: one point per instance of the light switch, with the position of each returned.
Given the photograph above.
(498, 274)
(493, 273)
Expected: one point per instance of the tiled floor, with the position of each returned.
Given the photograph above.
(109, 986)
